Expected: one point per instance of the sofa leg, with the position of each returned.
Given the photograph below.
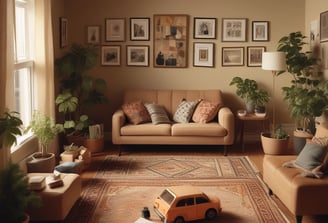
(299, 218)
(225, 152)
(119, 150)
(270, 192)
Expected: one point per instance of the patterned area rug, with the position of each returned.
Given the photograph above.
(124, 185)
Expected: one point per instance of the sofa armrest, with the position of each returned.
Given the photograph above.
(227, 120)
(118, 120)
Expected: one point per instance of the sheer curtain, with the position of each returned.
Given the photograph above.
(44, 61)
(6, 64)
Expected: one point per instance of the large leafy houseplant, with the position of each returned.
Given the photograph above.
(78, 91)
(306, 95)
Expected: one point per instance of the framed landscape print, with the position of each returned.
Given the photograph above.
(324, 26)
(254, 56)
(137, 55)
(204, 28)
(93, 35)
(171, 41)
(232, 56)
(234, 30)
(139, 28)
(111, 55)
(204, 54)
(115, 30)
(260, 31)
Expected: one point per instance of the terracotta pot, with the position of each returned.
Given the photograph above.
(94, 145)
(272, 146)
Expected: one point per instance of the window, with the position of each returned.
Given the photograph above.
(23, 69)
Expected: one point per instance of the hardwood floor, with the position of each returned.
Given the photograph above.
(252, 149)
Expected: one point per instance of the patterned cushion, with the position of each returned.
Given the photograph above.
(205, 111)
(157, 114)
(184, 111)
(136, 112)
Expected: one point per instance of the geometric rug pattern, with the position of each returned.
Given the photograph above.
(124, 185)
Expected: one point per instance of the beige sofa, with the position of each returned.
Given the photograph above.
(220, 131)
(301, 195)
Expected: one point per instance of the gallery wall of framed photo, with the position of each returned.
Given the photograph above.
(239, 41)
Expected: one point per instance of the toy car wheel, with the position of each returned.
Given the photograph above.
(210, 214)
(179, 220)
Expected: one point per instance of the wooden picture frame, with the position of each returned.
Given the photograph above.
(254, 55)
(171, 41)
(63, 37)
(204, 28)
(260, 31)
(204, 54)
(324, 26)
(234, 30)
(137, 55)
(111, 55)
(232, 56)
(115, 29)
(93, 35)
(139, 29)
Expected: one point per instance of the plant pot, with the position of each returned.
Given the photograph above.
(94, 145)
(299, 140)
(249, 107)
(36, 163)
(272, 146)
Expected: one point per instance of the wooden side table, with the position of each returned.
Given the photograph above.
(249, 118)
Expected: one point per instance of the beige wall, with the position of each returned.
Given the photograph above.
(284, 16)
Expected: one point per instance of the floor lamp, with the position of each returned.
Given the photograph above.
(275, 62)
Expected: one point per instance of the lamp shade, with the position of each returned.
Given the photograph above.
(274, 61)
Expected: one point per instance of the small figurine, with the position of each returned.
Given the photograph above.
(145, 213)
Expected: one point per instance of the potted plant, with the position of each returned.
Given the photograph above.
(275, 142)
(10, 127)
(78, 91)
(44, 128)
(306, 96)
(15, 197)
(248, 90)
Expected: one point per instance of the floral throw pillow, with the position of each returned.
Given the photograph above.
(136, 112)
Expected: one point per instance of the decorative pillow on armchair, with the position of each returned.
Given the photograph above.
(136, 112)
(185, 111)
(205, 111)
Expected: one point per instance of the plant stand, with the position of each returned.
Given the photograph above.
(272, 146)
(38, 164)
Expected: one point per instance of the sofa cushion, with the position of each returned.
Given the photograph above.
(198, 129)
(136, 112)
(205, 111)
(185, 111)
(146, 129)
(157, 114)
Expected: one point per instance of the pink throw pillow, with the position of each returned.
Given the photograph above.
(136, 112)
(205, 111)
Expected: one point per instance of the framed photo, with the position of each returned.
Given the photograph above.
(63, 39)
(234, 30)
(204, 28)
(111, 55)
(115, 30)
(93, 35)
(139, 28)
(137, 55)
(254, 55)
(260, 31)
(171, 41)
(232, 56)
(324, 26)
(204, 54)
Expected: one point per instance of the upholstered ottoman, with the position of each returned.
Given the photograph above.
(57, 202)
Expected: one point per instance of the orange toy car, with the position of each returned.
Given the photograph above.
(178, 204)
